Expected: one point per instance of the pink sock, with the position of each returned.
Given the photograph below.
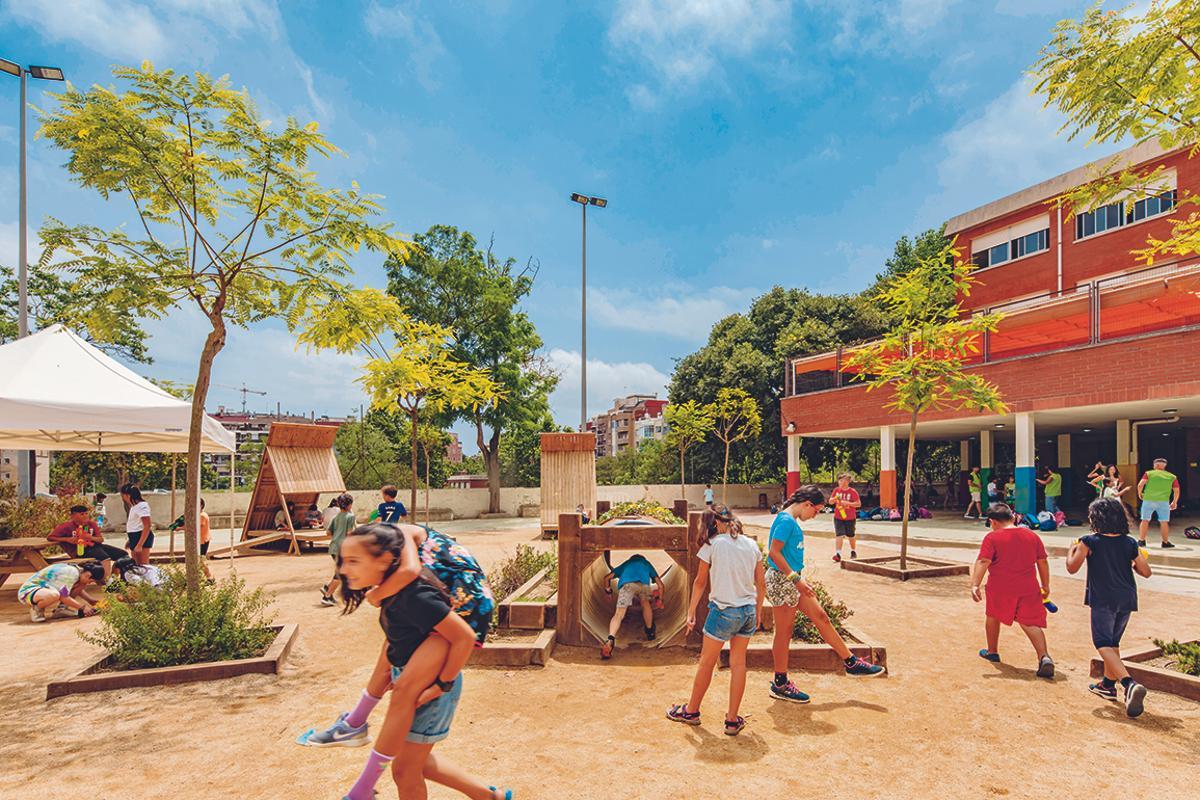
(364, 787)
(366, 704)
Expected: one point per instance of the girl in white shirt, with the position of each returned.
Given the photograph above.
(733, 564)
(138, 527)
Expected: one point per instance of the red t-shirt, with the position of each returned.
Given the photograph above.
(67, 530)
(1014, 553)
(840, 496)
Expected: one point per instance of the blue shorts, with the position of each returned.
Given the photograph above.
(432, 720)
(1108, 626)
(1160, 507)
(723, 624)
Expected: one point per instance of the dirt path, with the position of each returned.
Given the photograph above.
(944, 724)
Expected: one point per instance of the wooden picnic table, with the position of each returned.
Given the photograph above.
(23, 555)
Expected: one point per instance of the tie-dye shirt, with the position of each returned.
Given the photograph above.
(55, 577)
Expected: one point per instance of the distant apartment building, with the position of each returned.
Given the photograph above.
(252, 427)
(467, 481)
(8, 466)
(617, 428)
(454, 453)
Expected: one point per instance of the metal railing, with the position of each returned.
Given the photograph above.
(1161, 298)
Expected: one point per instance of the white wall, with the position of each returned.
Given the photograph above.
(464, 503)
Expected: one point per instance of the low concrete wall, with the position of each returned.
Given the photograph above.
(463, 503)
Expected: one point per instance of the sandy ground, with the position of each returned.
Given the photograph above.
(942, 724)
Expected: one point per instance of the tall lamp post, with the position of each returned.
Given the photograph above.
(585, 201)
(24, 460)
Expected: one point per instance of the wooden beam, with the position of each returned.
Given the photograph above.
(569, 630)
(633, 537)
(693, 566)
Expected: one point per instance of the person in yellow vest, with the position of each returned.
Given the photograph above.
(975, 488)
(1159, 492)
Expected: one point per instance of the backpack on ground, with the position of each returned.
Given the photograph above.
(924, 513)
(1192, 532)
(1060, 518)
(894, 515)
(1048, 525)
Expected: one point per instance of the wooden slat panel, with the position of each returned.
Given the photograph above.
(569, 443)
(634, 537)
(568, 481)
(294, 434)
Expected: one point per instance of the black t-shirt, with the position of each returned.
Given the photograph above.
(392, 511)
(1110, 582)
(408, 618)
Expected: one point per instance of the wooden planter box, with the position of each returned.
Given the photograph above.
(1157, 679)
(806, 657)
(90, 680)
(534, 652)
(889, 567)
(529, 614)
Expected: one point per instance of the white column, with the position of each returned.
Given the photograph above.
(1124, 441)
(1026, 444)
(887, 448)
(793, 453)
(985, 449)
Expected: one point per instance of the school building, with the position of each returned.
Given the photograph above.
(1097, 356)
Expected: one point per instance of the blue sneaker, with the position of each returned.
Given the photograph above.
(988, 656)
(788, 692)
(338, 735)
(863, 669)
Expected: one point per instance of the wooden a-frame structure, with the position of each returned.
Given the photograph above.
(298, 465)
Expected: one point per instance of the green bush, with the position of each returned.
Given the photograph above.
(146, 627)
(33, 516)
(1186, 655)
(838, 612)
(508, 575)
(641, 508)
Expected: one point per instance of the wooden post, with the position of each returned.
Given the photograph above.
(696, 637)
(680, 509)
(294, 547)
(602, 506)
(569, 627)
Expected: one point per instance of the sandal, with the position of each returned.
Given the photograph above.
(508, 795)
(734, 726)
(680, 713)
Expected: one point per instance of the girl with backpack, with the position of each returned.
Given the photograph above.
(422, 670)
(733, 565)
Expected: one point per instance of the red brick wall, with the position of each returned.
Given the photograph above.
(1105, 373)
(1082, 261)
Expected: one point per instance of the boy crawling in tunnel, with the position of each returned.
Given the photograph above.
(636, 581)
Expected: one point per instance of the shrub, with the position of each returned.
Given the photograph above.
(1186, 655)
(146, 627)
(33, 516)
(838, 612)
(640, 508)
(508, 575)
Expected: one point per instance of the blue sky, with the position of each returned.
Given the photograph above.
(741, 144)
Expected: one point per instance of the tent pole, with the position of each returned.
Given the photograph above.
(232, 502)
(174, 464)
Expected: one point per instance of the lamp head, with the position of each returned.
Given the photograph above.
(47, 73)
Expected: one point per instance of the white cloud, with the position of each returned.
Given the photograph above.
(114, 28)
(684, 42)
(422, 43)
(681, 311)
(1013, 143)
(606, 381)
(1034, 8)
(866, 24)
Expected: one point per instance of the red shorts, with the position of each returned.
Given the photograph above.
(1024, 609)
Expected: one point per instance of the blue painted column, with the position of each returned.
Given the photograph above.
(1026, 475)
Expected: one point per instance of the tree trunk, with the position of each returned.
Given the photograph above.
(490, 450)
(412, 440)
(912, 447)
(725, 478)
(213, 344)
(426, 450)
(682, 487)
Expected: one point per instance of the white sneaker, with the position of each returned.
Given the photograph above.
(36, 615)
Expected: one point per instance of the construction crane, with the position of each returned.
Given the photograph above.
(244, 391)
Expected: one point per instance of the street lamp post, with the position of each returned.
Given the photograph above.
(24, 457)
(584, 201)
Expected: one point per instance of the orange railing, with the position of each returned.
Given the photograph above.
(1155, 299)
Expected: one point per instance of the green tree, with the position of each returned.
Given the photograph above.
(1118, 76)
(52, 299)
(410, 364)
(521, 452)
(906, 255)
(430, 440)
(230, 219)
(735, 417)
(922, 357)
(447, 280)
(366, 456)
(688, 424)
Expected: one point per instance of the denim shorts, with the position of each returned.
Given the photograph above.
(1161, 507)
(723, 624)
(1108, 626)
(432, 720)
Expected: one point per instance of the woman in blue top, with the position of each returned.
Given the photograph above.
(789, 593)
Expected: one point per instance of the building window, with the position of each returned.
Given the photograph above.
(1020, 247)
(1114, 215)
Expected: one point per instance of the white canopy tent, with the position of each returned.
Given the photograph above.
(57, 392)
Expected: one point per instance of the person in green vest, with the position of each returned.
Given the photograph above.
(1159, 492)
(975, 488)
(1052, 481)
